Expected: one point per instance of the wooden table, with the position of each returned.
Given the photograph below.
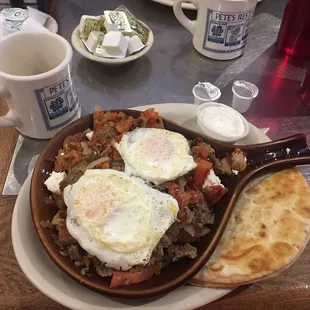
(289, 290)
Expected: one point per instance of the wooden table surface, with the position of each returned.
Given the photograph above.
(289, 290)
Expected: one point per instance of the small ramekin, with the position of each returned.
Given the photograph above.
(216, 135)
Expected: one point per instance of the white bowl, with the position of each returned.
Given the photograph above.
(208, 131)
(81, 49)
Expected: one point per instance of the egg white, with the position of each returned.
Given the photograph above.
(117, 218)
(156, 155)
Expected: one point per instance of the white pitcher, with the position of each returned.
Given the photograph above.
(221, 29)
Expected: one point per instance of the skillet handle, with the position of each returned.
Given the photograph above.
(277, 165)
(290, 147)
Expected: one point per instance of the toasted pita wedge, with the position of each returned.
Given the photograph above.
(268, 230)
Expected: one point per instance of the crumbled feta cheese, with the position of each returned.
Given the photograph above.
(288, 150)
(212, 179)
(62, 154)
(245, 159)
(235, 172)
(89, 135)
(52, 183)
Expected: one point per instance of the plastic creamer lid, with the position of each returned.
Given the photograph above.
(245, 89)
(15, 14)
(206, 91)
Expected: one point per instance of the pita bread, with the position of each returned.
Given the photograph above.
(268, 230)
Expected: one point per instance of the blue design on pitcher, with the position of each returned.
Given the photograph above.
(58, 103)
(217, 30)
(226, 30)
(216, 33)
(233, 35)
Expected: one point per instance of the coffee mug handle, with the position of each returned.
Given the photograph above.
(186, 22)
(10, 118)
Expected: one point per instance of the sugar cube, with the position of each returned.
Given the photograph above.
(115, 43)
(134, 44)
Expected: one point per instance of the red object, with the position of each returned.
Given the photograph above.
(294, 34)
(182, 197)
(121, 278)
(304, 91)
(201, 171)
(214, 193)
(200, 152)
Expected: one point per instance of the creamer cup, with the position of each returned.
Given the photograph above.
(243, 95)
(205, 92)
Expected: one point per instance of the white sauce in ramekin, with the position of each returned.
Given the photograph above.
(223, 120)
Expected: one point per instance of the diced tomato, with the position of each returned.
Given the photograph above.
(105, 165)
(200, 152)
(86, 260)
(97, 129)
(95, 134)
(196, 196)
(182, 197)
(150, 114)
(215, 193)
(118, 138)
(125, 125)
(201, 171)
(151, 123)
(121, 278)
(113, 116)
(70, 159)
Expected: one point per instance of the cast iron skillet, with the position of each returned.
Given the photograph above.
(262, 158)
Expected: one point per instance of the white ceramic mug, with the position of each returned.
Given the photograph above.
(221, 29)
(36, 81)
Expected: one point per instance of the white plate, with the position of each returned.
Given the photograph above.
(54, 283)
(81, 49)
(187, 6)
(51, 24)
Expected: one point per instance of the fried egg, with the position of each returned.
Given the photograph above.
(117, 218)
(156, 155)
